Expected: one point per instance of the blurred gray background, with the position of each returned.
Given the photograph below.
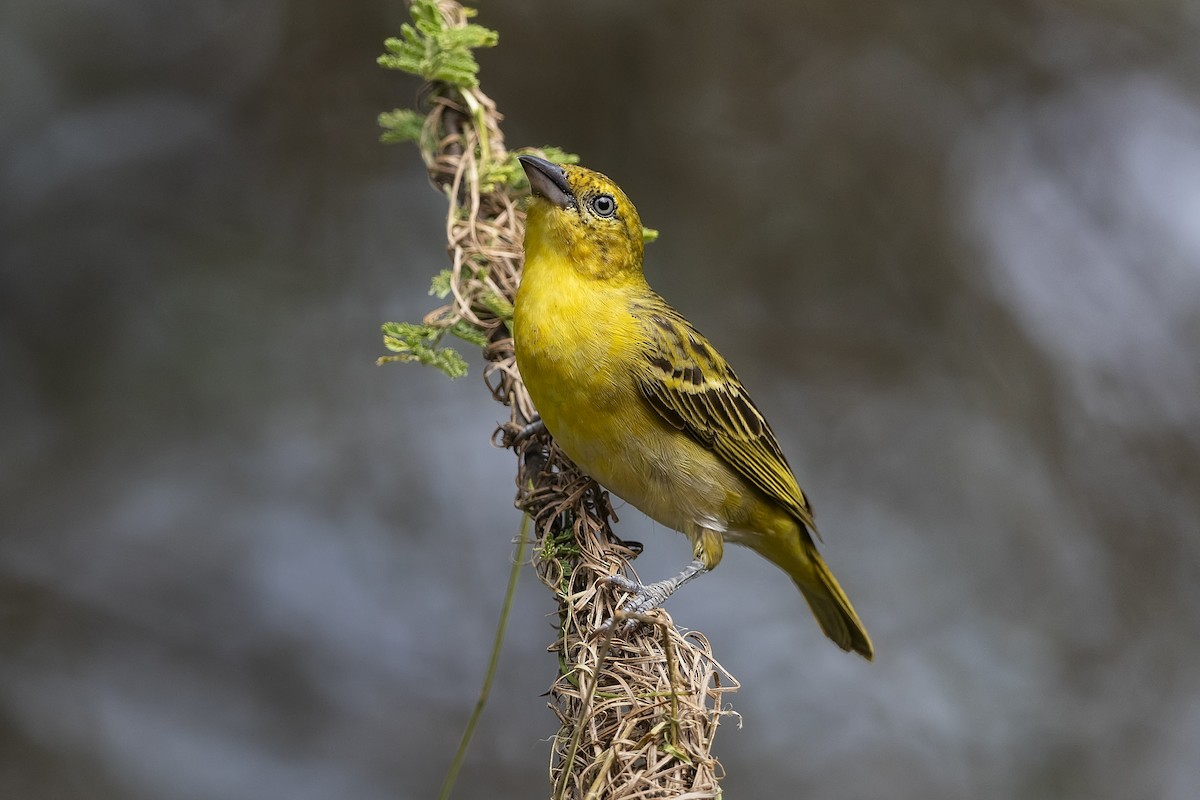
(953, 248)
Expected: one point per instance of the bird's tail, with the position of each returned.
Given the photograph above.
(830, 605)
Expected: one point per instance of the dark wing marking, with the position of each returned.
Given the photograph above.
(693, 389)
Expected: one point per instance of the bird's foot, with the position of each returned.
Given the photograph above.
(645, 597)
(511, 434)
(532, 429)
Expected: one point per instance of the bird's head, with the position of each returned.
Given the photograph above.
(584, 217)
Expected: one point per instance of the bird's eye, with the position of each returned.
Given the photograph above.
(604, 205)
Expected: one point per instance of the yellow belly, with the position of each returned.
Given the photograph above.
(573, 347)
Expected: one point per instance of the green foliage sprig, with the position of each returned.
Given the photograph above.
(419, 341)
(401, 125)
(435, 51)
(412, 341)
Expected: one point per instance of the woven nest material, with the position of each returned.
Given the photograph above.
(638, 712)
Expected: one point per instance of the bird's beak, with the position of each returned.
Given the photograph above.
(548, 180)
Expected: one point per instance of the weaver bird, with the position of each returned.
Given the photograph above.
(640, 401)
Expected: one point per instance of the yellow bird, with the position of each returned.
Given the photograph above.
(645, 405)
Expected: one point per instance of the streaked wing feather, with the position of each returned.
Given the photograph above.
(693, 388)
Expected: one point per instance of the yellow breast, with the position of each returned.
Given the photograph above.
(576, 340)
(572, 335)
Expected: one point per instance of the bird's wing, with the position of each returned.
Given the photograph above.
(693, 388)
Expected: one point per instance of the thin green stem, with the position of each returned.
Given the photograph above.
(477, 116)
(485, 690)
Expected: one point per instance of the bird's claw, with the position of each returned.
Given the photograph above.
(623, 583)
(643, 598)
(511, 434)
(532, 429)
